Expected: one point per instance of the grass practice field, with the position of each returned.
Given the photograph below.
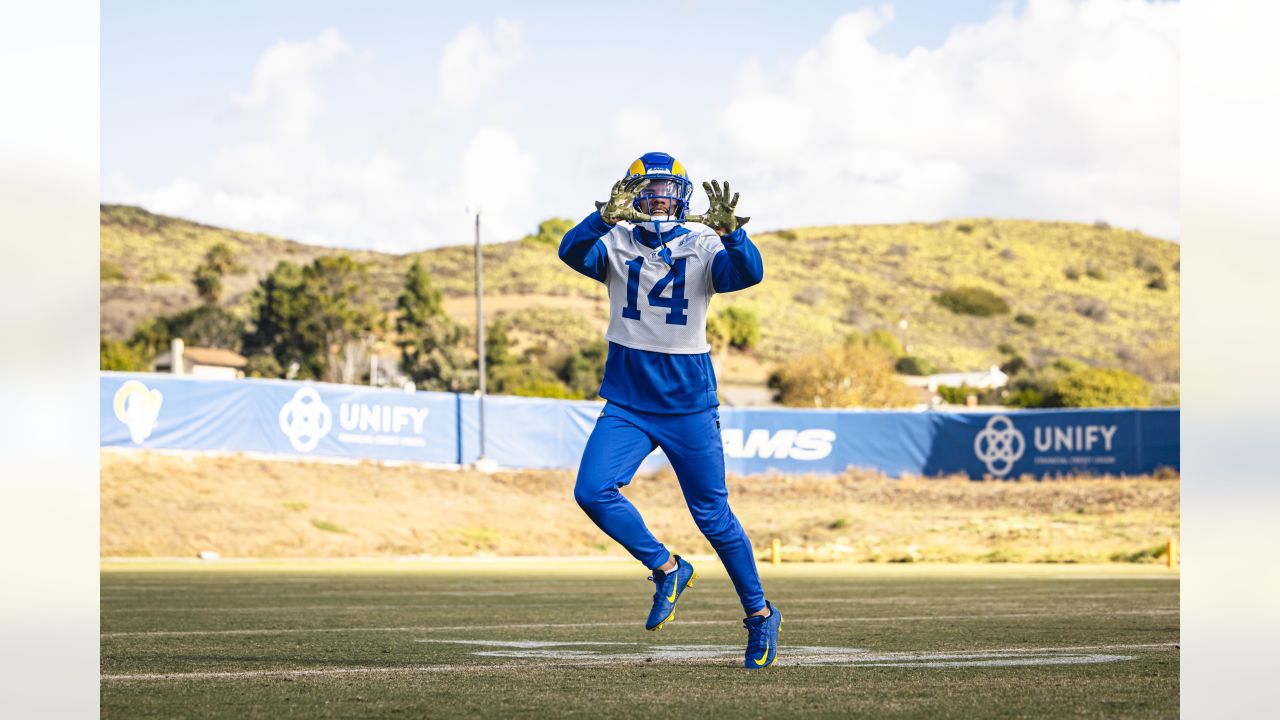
(560, 639)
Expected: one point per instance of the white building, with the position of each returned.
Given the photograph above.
(215, 363)
(992, 378)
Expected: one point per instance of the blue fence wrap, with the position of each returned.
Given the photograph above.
(342, 421)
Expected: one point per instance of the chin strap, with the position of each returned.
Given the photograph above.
(665, 252)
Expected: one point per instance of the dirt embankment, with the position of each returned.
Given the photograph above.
(157, 505)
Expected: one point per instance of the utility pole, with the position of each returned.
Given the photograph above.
(483, 463)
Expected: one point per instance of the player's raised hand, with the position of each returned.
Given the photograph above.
(621, 203)
(720, 216)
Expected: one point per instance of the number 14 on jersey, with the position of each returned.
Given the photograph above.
(676, 304)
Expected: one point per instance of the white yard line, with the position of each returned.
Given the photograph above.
(974, 658)
(240, 674)
(526, 626)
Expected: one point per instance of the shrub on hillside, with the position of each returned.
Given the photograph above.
(1093, 308)
(881, 339)
(550, 232)
(1067, 365)
(810, 295)
(717, 333)
(529, 380)
(972, 301)
(583, 369)
(1103, 387)
(262, 365)
(955, 395)
(109, 271)
(1025, 319)
(124, 357)
(841, 375)
(913, 365)
(1015, 364)
(742, 326)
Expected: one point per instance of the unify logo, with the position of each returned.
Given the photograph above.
(305, 419)
(810, 444)
(1074, 437)
(999, 445)
(138, 408)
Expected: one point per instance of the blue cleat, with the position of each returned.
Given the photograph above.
(762, 638)
(670, 586)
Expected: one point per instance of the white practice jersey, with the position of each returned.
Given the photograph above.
(650, 306)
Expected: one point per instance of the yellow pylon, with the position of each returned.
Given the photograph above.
(1171, 555)
(775, 551)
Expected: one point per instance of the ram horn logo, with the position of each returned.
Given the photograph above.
(305, 419)
(138, 407)
(999, 445)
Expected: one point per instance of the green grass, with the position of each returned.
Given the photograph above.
(327, 526)
(320, 640)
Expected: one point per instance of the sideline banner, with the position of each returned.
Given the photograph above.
(278, 417)
(343, 421)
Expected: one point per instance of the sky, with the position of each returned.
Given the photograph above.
(384, 125)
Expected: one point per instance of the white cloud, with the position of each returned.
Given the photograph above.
(497, 177)
(283, 82)
(374, 201)
(474, 61)
(1065, 110)
(638, 130)
(288, 183)
(1058, 111)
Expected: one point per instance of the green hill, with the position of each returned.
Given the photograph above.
(1074, 290)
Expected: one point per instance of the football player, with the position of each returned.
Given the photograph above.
(661, 265)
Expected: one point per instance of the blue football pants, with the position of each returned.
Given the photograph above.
(620, 441)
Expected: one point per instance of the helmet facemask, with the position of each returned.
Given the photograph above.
(665, 198)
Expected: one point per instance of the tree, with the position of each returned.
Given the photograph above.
(222, 260)
(339, 309)
(151, 336)
(208, 284)
(219, 262)
(309, 316)
(429, 340)
(278, 308)
(497, 347)
(841, 375)
(207, 326)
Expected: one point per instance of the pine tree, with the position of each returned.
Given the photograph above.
(429, 340)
